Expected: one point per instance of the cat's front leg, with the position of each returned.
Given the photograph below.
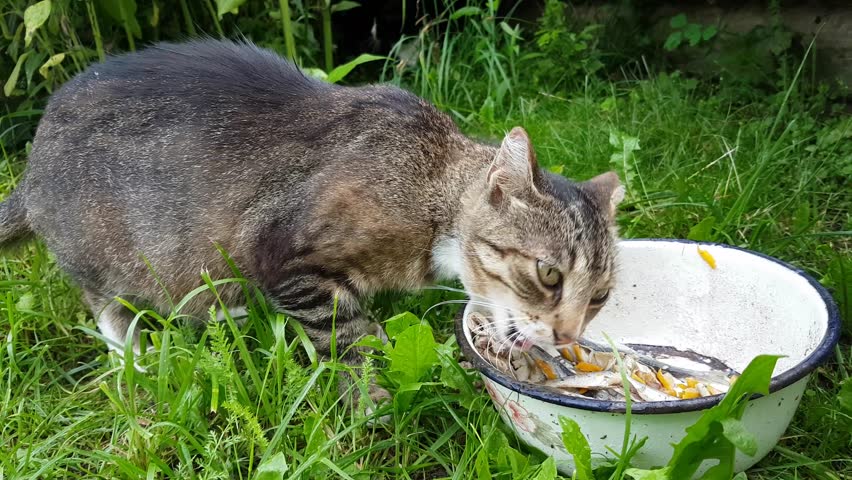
(310, 299)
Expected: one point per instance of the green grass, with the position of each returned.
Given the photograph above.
(219, 401)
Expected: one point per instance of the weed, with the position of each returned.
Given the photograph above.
(691, 33)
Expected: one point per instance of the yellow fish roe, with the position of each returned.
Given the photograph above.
(546, 369)
(667, 386)
(707, 258)
(690, 393)
(588, 367)
(578, 354)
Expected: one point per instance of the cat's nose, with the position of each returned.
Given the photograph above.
(561, 338)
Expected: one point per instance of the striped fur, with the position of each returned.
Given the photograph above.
(316, 191)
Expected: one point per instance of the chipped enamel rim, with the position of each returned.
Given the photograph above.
(785, 379)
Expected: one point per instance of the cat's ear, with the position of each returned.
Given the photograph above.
(607, 190)
(514, 169)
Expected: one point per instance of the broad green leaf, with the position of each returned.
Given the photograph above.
(577, 445)
(413, 353)
(51, 62)
(273, 469)
(26, 302)
(844, 397)
(609, 104)
(370, 341)
(123, 12)
(512, 32)
(465, 12)
(155, 14)
(518, 461)
(557, 169)
(657, 474)
(483, 472)
(228, 6)
(757, 381)
(405, 394)
(316, 73)
(623, 159)
(706, 439)
(313, 433)
(35, 60)
(724, 470)
(310, 350)
(343, 6)
(396, 324)
(703, 230)
(34, 16)
(678, 21)
(547, 470)
(692, 32)
(497, 446)
(452, 375)
(341, 71)
(13, 77)
(673, 41)
(737, 434)
(709, 33)
(802, 217)
(740, 476)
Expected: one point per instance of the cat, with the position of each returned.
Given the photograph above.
(143, 163)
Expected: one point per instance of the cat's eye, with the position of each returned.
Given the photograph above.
(548, 275)
(600, 298)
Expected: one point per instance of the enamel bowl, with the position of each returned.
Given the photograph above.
(667, 294)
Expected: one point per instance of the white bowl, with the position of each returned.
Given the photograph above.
(751, 304)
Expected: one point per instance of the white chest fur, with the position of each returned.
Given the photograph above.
(447, 258)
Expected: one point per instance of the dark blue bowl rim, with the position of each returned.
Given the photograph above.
(799, 371)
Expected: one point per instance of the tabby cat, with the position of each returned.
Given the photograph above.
(144, 162)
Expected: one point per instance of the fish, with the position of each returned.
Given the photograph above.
(587, 369)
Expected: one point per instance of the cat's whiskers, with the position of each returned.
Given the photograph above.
(472, 302)
(492, 336)
(483, 328)
(512, 346)
(474, 296)
(453, 302)
(512, 343)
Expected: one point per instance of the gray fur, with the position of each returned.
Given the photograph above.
(313, 189)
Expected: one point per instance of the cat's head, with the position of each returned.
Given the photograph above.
(538, 250)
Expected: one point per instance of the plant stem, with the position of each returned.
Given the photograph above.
(288, 28)
(4, 29)
(325, 8)
(806, 461)
(130, 42)
(96, 29)
(190, 27)
(215, 18)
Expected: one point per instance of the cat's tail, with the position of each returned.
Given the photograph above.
(13, 220)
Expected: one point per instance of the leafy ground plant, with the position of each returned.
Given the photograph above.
(717, 435)
(246, 398)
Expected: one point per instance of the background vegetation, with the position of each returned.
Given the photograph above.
(753, 153)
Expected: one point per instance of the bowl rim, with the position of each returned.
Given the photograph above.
(791, 376)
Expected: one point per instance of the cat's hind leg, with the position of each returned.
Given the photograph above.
(310, 299)
(114, 321)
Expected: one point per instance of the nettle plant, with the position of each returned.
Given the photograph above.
(684, 32)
